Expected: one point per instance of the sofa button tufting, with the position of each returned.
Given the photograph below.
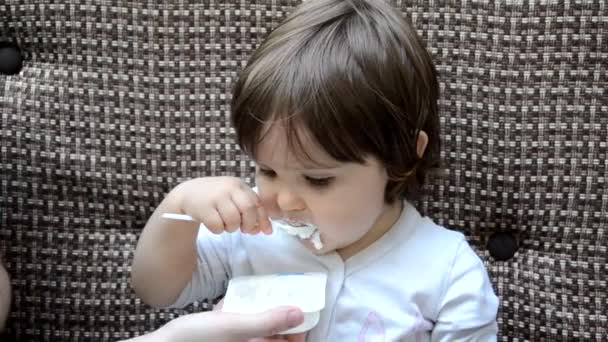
(502, 246)
(11, 59)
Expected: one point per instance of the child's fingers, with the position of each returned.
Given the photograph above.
(230, 215)
(248, 210)
(213, 221)
(263, 221)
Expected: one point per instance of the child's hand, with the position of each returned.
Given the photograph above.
(223, 204)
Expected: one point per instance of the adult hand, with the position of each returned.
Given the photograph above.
(275, 338)
(227, 327)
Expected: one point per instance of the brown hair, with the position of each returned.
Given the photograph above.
(355, 74)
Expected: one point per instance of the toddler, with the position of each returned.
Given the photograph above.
(338, 109)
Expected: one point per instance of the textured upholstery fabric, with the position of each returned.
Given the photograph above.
(118, 101)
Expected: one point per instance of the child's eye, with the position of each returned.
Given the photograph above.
(319, 182)
(267, 173)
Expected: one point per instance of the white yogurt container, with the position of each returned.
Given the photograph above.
(256, 294)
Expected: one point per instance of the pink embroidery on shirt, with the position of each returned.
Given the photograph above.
(373, 329)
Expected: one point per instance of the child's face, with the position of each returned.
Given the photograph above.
(344, 200)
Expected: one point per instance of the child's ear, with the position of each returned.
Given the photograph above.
(421, 143)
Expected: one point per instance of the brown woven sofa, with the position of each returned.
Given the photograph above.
(106, 105)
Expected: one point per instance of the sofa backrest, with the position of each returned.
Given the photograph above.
(115, 102)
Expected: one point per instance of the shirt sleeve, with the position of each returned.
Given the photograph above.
(211, 275)
(468, 308)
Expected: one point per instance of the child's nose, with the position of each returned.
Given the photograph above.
(288, 201)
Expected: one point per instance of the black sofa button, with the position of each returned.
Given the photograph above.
(11, 59)
(502, 246)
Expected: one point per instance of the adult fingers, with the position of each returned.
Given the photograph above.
(268, 323)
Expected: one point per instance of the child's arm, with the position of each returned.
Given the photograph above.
(166, 255)
(469, 306)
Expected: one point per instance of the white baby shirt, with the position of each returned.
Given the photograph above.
(418, 282)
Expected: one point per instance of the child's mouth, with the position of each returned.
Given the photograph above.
(304, 231)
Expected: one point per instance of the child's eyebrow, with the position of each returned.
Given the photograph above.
(318, 167)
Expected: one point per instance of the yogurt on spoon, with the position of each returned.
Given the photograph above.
(303, 231)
